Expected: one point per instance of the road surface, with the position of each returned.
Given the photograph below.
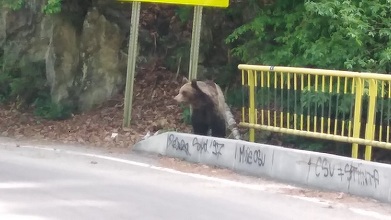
(40, 184)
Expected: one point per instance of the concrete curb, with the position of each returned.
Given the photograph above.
(325, 171)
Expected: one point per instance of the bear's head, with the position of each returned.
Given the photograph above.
(186, 93)
(197, 93)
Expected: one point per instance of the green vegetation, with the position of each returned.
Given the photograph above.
(12, 4)
(22, 84)
(26, 86)
(47, 109)
(330, 34)
(186, 115)
(51, 7)
(236, 97)
(185, 13)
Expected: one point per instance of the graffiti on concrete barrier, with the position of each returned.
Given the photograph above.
(323, 166)
(203, 146)
(216, 146)
(249, 156)
(357, 174)
(178, 144)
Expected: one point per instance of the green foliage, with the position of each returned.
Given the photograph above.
(22, 84)
(177, 57)
(310, 99)
(26, 86)
(184, 13)
(224, 75)
(12, 4)
(329, 34)
(311, 144)
(47, 109)
(236, 97)
(186, 115)
(51, 7)
(5, 80)
(303, 143)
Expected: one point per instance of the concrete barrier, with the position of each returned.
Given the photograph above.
(325, 171)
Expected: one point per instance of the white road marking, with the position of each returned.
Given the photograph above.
(20, 217)
(139, 164)
(18, 185)
(314, 200)
(372, 214)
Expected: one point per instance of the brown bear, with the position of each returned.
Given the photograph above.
(208, 106)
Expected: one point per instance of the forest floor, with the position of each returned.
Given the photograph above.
(153, 109)
(151, 106)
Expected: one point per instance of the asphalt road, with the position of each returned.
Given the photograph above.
(45, 184)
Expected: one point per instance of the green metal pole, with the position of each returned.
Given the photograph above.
(132, 54)
(195, 42)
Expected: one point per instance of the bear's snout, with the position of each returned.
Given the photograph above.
(178, 98)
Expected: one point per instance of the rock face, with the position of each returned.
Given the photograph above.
(84, 63)
(62, 59)
(83, 50)
(102, 63)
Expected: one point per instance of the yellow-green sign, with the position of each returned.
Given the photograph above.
(213, 3)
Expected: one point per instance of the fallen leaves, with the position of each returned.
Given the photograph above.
(98, 126)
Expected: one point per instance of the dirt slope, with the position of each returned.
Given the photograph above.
(153, 109)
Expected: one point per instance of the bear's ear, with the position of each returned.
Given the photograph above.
(185, 80)
(194, 84)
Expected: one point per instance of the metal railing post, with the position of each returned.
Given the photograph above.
(357, 114)
(370, 126)
(251, 109)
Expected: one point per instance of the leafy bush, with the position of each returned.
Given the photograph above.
(12, 4)
(313, 144)
(184, 13)
(51, 7)
(330, 34)
(23, 84)
(236, 97)
(47, 109)
(27, 86)
(5, 80)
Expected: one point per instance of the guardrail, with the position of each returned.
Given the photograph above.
(334, 105)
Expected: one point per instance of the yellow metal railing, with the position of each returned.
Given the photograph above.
(326, 104)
